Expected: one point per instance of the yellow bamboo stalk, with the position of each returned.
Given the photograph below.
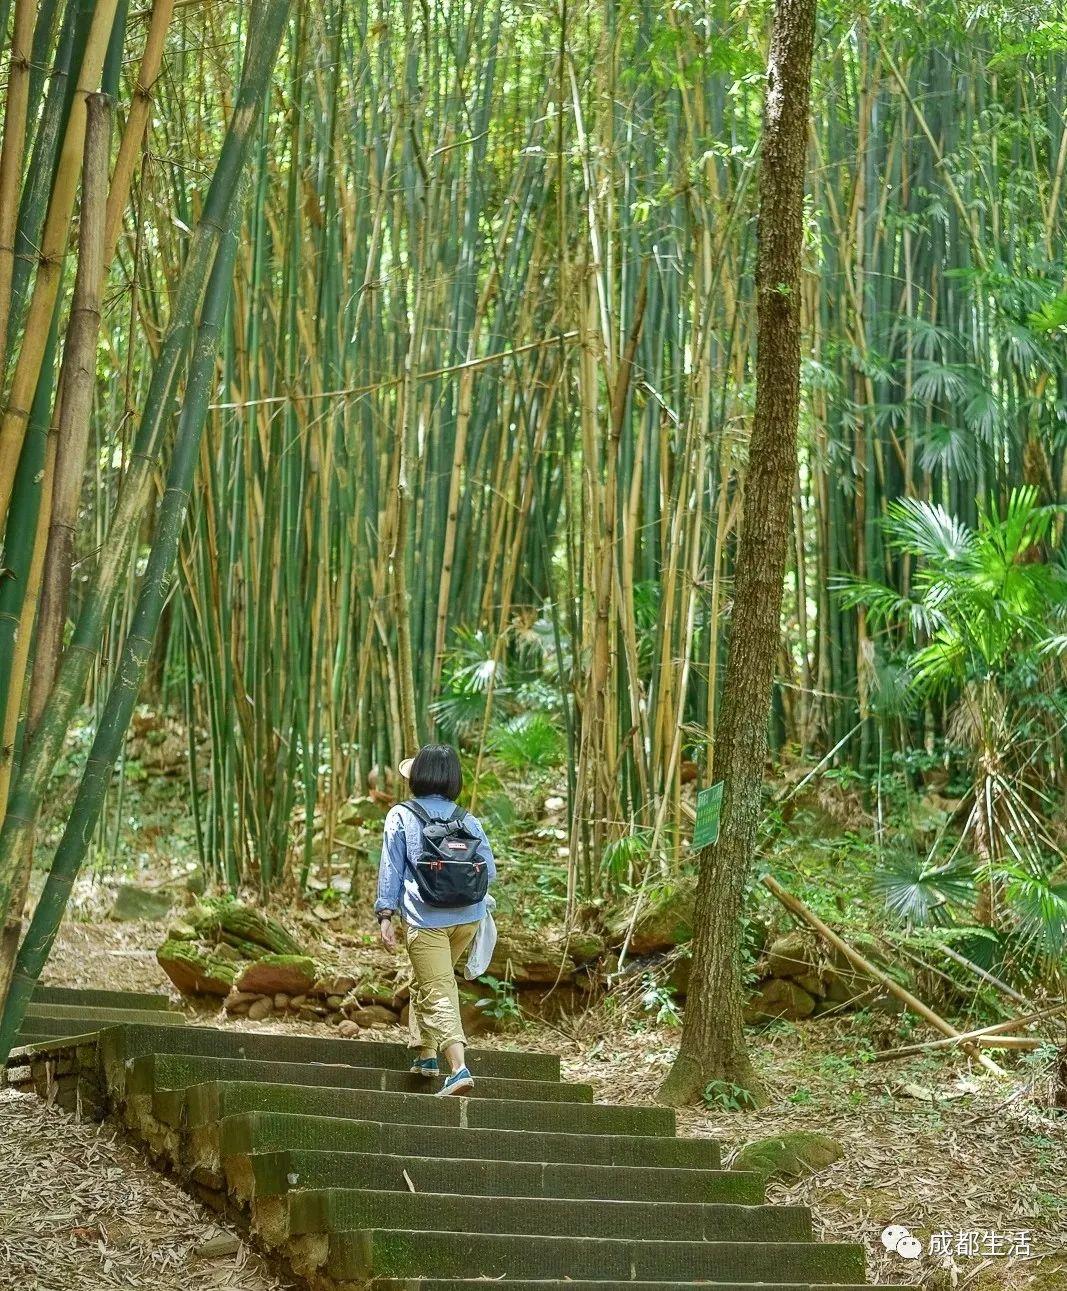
(53, 252)
(16, 100)
(136, 124)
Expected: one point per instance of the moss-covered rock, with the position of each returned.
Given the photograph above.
(193, 970)
(792, 955)
(789, 1156)
(133, 903)
(664, 919)
(584, 947)
(526, 957)
(780, 997)
(226, 918)
(273, 974)
(181, 932)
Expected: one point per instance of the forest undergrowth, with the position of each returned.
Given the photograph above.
(928, 1141)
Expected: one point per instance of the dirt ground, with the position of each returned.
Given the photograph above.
(974, 1166)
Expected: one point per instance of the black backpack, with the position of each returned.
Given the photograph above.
(448, 872)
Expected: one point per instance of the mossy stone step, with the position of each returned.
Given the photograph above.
(474, 1284)
(170, 1071)
(268, 1173)
(39, 1028)
(93, 999)
(101, 1017)
(215, 1042)
(241, 1134)
(362, 1254)
(204, 1103)
(326, 1210)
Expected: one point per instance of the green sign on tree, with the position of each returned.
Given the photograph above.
(706, 825)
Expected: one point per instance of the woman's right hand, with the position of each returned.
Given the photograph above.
(388, 934)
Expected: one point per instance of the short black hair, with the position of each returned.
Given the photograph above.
(436, 769)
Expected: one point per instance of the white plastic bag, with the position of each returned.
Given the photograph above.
(481, 949)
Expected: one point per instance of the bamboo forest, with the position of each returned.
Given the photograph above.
(537, 525)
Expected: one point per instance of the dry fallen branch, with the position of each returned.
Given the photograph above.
(797, 907)
(992, 1035)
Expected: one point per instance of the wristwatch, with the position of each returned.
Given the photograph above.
(384, 914)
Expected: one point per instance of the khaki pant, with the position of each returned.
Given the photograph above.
(433, 1019)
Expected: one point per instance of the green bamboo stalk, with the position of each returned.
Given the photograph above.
(18, 599)
(134, 492)
(136, 652)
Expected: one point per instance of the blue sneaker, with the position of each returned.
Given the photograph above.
(425, 1067)
(458, 1083)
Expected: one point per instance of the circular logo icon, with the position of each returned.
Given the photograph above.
(893, 1236)
(909, 1248)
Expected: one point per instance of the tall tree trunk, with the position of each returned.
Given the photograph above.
(713, 1044)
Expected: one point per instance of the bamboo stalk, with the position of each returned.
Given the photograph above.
(77, 382)
(133, 495)
(52, 254)
(136, 124)
(136, 651)
(15, 111)
(991, 1035)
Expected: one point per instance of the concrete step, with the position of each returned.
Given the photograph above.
(208, 1102)
(326, 1210)
(215, 1042)
(361, 1254)
(41, 1037)
(241, 1134)
(473, 1284)
(39, 1026)
(101, 1017)
(267, 1173)
(171, 1071)
(332, 1151)
(100, 999)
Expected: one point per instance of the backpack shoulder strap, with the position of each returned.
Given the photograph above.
(418, 812)
(459, 816)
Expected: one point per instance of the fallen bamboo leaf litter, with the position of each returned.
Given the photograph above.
(79, 1211)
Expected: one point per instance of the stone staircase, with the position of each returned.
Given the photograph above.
(336, 1159)
(58, 1012)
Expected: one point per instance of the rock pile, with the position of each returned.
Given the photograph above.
(339, 1000)
(224, 948)
(799, 979)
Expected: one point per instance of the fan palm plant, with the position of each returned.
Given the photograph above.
(980, 628)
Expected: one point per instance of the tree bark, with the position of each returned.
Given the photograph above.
(713, 1044)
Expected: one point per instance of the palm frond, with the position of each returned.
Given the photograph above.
(919, 894)
(926, 529)
(1040, 906)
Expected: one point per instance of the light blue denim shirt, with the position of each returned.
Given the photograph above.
(397, 889)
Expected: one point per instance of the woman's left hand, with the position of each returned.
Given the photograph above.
(388, 934)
